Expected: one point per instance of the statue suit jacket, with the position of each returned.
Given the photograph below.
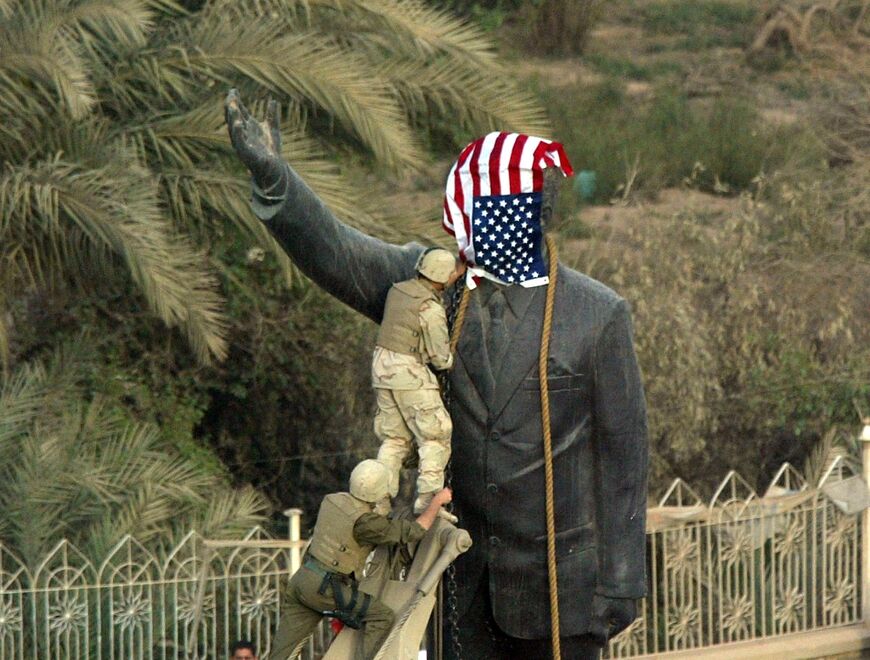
(598, 423)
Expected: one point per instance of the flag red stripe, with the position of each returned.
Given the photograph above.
(564, 163)
(458, 192)
(494, 162)
(537, 172)
(516, 154)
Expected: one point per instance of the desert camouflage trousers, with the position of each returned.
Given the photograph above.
(406, 417)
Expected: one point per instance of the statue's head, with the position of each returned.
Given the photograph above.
(501, 192)
(550, 195)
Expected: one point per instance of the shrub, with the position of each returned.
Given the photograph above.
(701, 24)
(560, 27)
(721, 145)
(78, 468)
(752, 332)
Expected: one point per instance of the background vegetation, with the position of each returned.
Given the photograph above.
(729, 144)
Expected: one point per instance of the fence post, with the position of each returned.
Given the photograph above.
(293, 524)
(865, 528)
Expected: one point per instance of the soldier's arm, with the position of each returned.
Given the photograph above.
(433, 321)
(355, 268)
(375, 529)
(621, 459)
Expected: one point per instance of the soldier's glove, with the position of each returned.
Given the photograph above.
(610, 616)
(258, 145)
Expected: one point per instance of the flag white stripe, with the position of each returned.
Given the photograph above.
(504, 175)
(483, 163)
(527, 160)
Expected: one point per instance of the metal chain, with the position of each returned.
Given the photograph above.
(452, 602)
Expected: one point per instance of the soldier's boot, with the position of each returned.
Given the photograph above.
(422, 502)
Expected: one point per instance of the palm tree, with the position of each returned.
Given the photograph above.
(116, 161)
(80, 471)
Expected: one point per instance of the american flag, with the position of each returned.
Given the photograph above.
(500, 172)
(506, 237)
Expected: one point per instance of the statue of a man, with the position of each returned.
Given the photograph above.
(597, 418)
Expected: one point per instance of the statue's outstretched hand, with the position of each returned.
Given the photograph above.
(258, 144)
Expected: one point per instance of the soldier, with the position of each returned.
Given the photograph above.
(413, 335)
(345, 533)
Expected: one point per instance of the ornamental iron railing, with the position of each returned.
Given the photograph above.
(739, 567)
(745, 567)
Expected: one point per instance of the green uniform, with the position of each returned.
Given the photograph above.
(412, 336)
(345, 532)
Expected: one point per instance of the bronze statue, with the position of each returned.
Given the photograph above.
(598, 422)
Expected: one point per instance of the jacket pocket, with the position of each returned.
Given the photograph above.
(572, 541)
(555, 383)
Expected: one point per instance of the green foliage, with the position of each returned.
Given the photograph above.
(558, 27)
(123, 210)
(752, 333)
(80, 470)
(701, 24)
(721, 146)
(618, 67)
(117, 163)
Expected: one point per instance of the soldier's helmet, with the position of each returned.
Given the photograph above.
(436, 264)
(370, 481)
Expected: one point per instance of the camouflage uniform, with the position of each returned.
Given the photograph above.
(413, 335)
(345, 532)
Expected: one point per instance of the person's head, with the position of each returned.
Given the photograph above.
(440, 267)
(243, 650)
(370, 481)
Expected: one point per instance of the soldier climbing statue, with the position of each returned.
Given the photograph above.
(412, 338)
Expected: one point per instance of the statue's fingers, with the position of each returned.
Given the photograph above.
(231, 107)
(238, 135)
(234, 103)
(273, 120)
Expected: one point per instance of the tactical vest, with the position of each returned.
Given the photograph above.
(400, 329)
(332, 542)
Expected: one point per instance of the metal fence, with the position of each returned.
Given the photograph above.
(739, 567)
(745, 567)
(141, 604)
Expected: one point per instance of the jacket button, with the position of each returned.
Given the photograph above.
(494, 541)
(495, 435)
(335, 562)
(492, 488)
(343, 548)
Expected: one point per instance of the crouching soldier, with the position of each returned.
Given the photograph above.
(412, 338)
(346, 531)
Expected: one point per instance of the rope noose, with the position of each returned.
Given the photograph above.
(548, 448)
(460, 319)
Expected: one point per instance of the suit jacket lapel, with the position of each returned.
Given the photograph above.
(471, 351)
(521, 354)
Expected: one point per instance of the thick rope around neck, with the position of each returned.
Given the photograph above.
(460, 319)
(548, 448)
(543, 357)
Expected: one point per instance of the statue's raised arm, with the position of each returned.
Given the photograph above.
(355, 268)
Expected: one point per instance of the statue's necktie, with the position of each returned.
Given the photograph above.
(497, 339)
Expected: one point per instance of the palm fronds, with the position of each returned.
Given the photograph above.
(119, 155)
(116, 210)
(82, 472)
